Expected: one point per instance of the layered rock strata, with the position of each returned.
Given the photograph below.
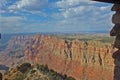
(80, 59)
(116, 32)
(83, 60)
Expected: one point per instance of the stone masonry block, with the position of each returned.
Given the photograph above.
(116, 7)
(117, 42)
(116, 18)
(115, 31)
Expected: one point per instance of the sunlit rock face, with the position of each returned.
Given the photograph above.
(83, 60)
(80, 59)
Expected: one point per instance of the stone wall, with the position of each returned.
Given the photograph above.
(116, 32)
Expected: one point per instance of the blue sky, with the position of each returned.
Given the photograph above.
(24, 16)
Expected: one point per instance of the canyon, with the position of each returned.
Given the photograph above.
(81, 59)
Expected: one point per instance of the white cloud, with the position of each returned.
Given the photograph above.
(11, 23)
(73, 15)
(75, 11)
(31, 5)
(79, 13)
(84, 8)
(11, 20)
(104, 8)
(3, 3)
(75, 8)
(70, 3)
(3, 6)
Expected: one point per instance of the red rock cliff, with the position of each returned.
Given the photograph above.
(83, 60)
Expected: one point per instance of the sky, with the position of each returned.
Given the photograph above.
(29, 16)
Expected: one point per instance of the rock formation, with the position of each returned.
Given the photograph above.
(77, 58)
(116, 32)
(14, 51)
(80, 59)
